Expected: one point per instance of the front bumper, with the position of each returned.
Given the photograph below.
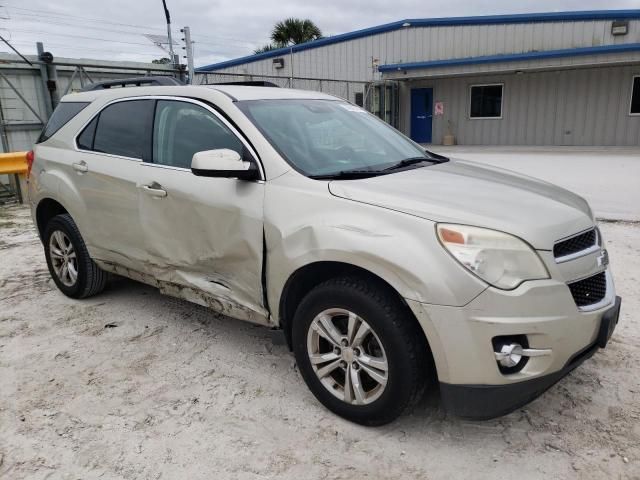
(460, 338)
(481, 402)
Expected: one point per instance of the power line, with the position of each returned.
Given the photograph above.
(58, 19)
(83, 48)
(27, 43)
(144, 28)
(81, 36)
(65, 16)
(75, 25)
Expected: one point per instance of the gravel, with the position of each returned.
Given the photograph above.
(131, 384)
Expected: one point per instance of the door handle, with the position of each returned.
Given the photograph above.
(80, 167)
(155, 190)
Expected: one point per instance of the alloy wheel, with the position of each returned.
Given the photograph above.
(347, 356)
(63, 258)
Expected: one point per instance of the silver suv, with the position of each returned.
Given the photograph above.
(388, 268)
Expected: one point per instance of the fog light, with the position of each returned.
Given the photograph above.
(512, 352)
(509, 355)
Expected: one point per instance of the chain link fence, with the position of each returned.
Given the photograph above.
(352, 91)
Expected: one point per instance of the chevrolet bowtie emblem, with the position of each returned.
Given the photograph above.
(603, 259)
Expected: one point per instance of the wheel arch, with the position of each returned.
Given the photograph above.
(47, 209)
(305, 278)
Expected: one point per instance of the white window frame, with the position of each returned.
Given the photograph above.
(493, 84)
(633, 80)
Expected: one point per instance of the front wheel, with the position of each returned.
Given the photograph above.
(359, 350)
(70, 265)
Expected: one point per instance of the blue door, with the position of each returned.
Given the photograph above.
(421, 114)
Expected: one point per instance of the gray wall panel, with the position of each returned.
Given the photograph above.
(571, 107)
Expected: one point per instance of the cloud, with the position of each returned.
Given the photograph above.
(222, 29)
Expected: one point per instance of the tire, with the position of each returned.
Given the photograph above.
(395, 337)
(63, 244)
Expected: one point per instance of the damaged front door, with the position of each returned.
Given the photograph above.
(204, 235)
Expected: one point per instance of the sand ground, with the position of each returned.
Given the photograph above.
(134, 385)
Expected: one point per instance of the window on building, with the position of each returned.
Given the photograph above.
(64, 112)
(182, 129)
(360, 99)
(486, 101)
(124, 129)
(635, 97)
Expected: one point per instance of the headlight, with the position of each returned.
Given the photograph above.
(498, 258)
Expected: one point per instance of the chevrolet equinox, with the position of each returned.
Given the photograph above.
(389, 269)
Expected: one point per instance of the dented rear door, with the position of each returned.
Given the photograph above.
(204, 236)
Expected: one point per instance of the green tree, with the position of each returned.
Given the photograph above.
(161, 61)
(293, 31)
(265, 48)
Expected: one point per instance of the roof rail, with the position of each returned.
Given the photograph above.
(247, 83)
(136, 81)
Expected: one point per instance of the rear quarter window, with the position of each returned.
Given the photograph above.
(63, 113)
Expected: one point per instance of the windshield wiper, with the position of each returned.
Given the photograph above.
(408, 162)
(348, 174)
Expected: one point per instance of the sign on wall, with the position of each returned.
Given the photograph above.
(439, 108)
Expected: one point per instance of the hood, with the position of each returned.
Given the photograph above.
(467, 193)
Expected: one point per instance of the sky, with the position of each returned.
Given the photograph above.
(223, 29)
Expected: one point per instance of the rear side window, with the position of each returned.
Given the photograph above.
(124, 129)
(64, 112)
(85, 139)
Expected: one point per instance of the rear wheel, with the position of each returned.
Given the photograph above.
(70, 265)
(359, 350)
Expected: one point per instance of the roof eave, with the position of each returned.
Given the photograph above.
(512, 57)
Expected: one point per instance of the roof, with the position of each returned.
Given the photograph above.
(432, 22)
(235, 92)
(240, 92)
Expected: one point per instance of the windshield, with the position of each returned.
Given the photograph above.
(327, 137)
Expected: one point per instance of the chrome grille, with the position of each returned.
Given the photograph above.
(590, 290)
(574, 245)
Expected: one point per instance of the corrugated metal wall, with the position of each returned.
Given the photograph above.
(352, 60)
(566, 107)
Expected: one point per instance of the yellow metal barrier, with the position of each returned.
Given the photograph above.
(14, 162)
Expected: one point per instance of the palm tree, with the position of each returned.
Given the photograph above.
(265, 48)
(293, 31)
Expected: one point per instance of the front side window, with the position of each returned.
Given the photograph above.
(124, 129)
(64, 112)
(486, 101)
(324, 137)
(635, 97)
(181, 129)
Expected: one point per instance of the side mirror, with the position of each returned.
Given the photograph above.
(223, 163)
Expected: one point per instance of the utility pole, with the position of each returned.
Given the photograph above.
(291, 66)
(174, 61)
(44, 76)
(188, 47)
